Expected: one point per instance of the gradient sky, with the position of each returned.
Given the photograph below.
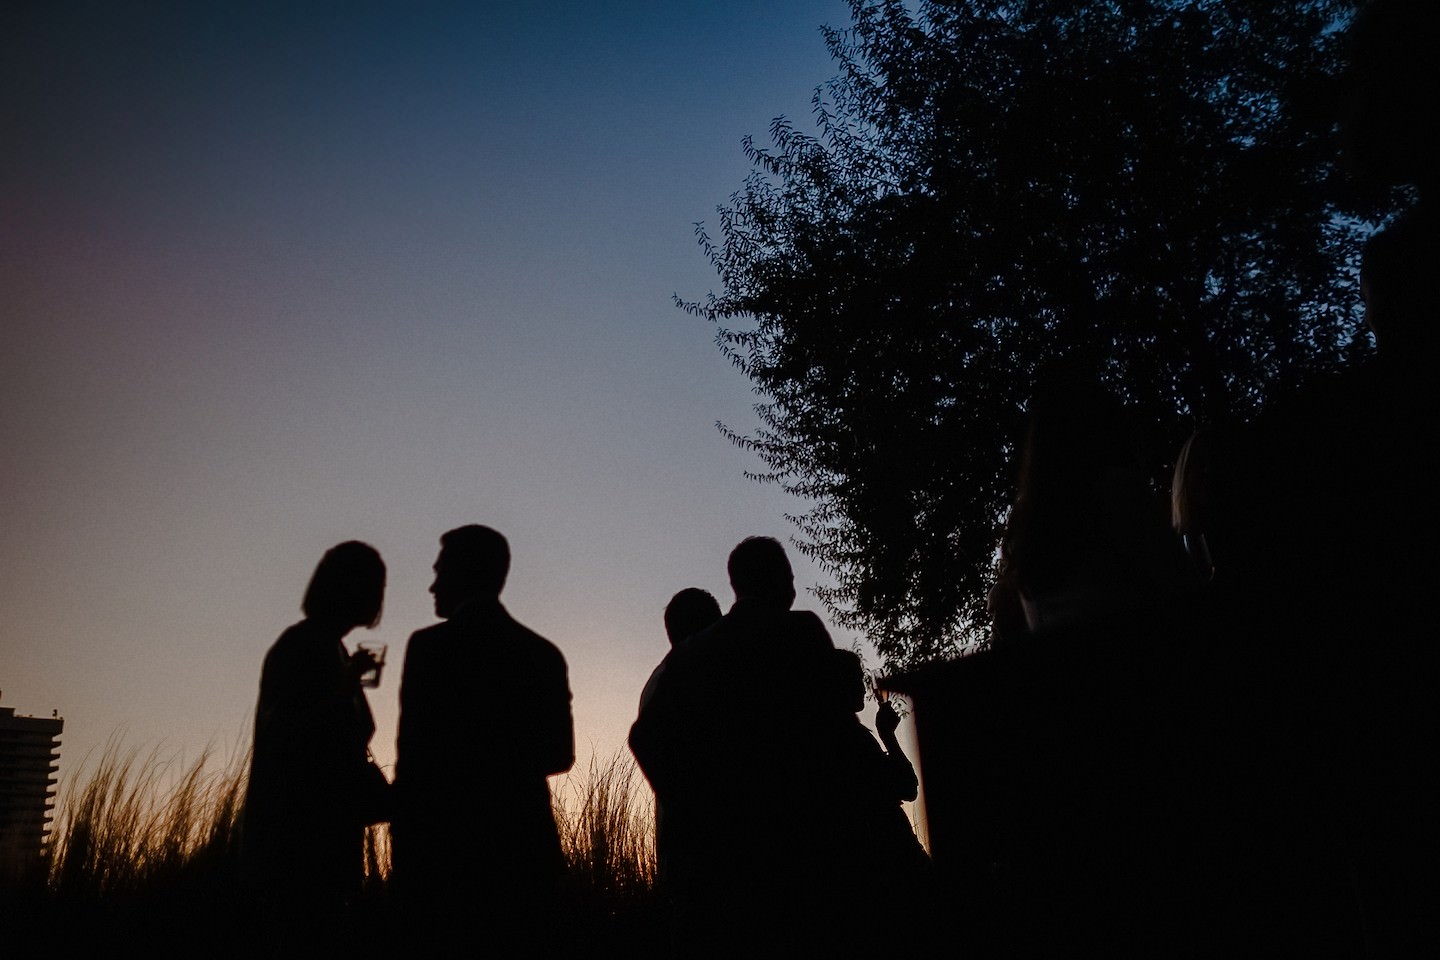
(274, 276)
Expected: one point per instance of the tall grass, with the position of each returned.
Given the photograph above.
(145, 850)
(606, 818)
(123, 827)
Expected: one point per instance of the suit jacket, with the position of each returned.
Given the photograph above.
(485, 718)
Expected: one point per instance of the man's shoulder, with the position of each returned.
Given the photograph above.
(431, 649)
(541, 647)
(741, 624)
(434, 634)
(509, 641)
(492, 628)
(806, 621)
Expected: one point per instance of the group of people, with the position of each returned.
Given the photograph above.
(474, 844)
(474, 839)
(1294, 549)
(778, 822)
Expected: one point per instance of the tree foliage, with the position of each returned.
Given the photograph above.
(1144, 189)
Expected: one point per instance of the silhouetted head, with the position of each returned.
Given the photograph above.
(1387, 111)
(1398, 285)
(759, 570)
(347, 587)
(1079, 464)
(472, 565)
(688, 612)
(847, 679)
(1079, 436)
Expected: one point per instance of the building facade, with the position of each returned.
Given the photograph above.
(29, 770)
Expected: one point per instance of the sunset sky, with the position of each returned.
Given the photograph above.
(279, 275)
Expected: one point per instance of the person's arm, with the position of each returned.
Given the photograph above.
(414, 732)
(653, 734)
(903, 782)
(809, 632)
(560, 741)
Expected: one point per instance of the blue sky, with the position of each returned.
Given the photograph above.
(275, 276)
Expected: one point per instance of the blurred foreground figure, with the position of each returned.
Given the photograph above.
(1086, 542)
(1326, 837)
(757, 851)
(476, 852)
(312, 788)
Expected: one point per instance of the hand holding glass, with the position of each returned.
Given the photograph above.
(371, 677)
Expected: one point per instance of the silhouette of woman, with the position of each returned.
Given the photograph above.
(889, 871)
(885, 776)
(313, 787)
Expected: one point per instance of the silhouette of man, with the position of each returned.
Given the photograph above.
(475, 843)
(1337, 779)
(1384, 563)
(746, 785)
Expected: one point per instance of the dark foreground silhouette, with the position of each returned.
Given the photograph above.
(769, 812)
(476, 850)
(312, 787)
(1234, 756)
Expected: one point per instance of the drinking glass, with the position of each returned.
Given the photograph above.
(371, 678)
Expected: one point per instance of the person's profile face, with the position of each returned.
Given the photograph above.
(446, 591)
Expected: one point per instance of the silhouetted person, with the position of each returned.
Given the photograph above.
(1090, 575)
(1240, 751)
(1400, 292)
(1332, 609)
(476, 852)
(886, 779)
(1389, 124)
(312, 787)
(688, 612)
(748, 780)
(1390, 712)
(1393, 79)
(887, 860)
(1086, 539)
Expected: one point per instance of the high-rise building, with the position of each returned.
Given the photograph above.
(29, 765)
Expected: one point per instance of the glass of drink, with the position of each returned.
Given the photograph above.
(376, 649)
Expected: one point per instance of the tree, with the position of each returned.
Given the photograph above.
(1143, 189)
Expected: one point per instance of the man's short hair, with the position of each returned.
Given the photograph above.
(478, 555)
(688, 612)
(758, 567)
